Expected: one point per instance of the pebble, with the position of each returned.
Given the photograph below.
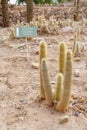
(37, 52)
(73, 103)
(2, 92)
(21, 118)
(77, 73)
(23, 101)
(77, 59)
(53, 82)
(76, 114)
(66, 29)
(35, 65)
(64, 119)
(36, 119)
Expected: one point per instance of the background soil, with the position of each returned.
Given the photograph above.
(19, 85)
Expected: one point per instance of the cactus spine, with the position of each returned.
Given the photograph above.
(59, 87)
(42, 54)
(46, 82)
(62, 56)
(65, 99)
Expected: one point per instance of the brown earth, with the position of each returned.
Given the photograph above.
(19, 84)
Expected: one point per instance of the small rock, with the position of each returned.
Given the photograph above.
(23, 101)
(19, 107)
(21, 118)
(67, 29)
(76, 114)
(50, 46)
(81, 100)
(77, 59)
(52, 82)
(36, 119)
(37, 52)
(77, 73)
(64, 119)
(73, 103)
(51, 74)
(35, 65)
(2, 91)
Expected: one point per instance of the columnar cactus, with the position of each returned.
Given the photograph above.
(77, 50)
(12, 34)
(63, 104)
(62, 56)
(46, 82)
(59, 87)
(76, 46)
(75, 41)
(42, 54)
(78, 31)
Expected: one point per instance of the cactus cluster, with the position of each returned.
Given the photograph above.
(65, 99)
(63, 88)
(78, 46)
(47, 25)
(42, 54)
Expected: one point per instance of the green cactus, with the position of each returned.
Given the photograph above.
(59, 87)
(46, 82)
(42, 54)
(63, 104)
(62, 56)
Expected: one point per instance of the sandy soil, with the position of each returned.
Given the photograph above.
(19, 86)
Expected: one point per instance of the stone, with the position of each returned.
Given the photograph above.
(23, 101)
(77, 73)
(64, 119)
(76, 113)
(53, 82)
(3, 88)
(35, 65)
(67, 29)
(77, 59)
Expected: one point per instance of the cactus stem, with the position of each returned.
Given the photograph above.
(63, 104)
(42, 54)
(46, 82)
(59, 87)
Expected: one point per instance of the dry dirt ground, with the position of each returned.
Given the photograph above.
(19, 85)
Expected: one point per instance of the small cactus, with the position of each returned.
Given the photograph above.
(77, 50)
(59, 87)
(78, 32)
(12, 34)
(62, 56)
(46, 82)
(63, 104)
(42, 54)
(75, 41)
